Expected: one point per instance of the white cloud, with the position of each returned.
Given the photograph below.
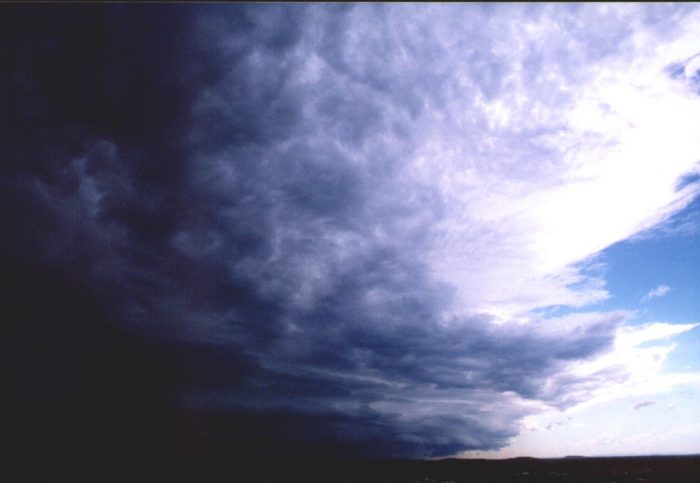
(529, 144)
(598, 394)
(608, 159)
(632, 368)
(659, 291)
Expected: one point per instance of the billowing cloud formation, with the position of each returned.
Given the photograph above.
(659, 291)
(344, 216)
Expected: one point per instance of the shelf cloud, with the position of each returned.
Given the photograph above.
(339, 223)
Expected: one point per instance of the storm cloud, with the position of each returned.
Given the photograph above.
(320, 224)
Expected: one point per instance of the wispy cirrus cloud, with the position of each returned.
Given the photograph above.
(659, 291)
(644, 404)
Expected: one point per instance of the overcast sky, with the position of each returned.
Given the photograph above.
(381, 230)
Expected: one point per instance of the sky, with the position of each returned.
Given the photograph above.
(389, 230)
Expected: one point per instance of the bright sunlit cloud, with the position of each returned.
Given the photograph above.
(594, 168)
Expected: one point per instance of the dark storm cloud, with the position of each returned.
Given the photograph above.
(197, 176)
